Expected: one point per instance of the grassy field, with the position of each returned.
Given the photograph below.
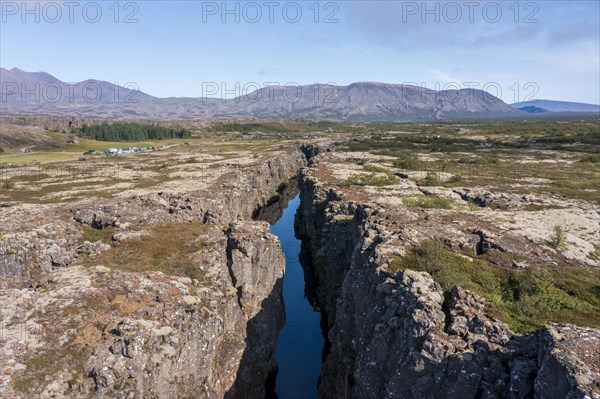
(21, 159)
(56, 177)
(74, 151)
(550, 158)
(167, 248)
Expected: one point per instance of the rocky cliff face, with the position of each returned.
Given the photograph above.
(88, 319)
(396, 334)
(151, 335)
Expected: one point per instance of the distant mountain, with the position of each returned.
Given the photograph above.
(540, 106)
(532, 109)
(29, 90)
(41, 93)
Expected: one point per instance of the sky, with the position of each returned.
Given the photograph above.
(516, 50)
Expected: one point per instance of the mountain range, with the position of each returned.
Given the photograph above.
(544, 106)
(40, 93)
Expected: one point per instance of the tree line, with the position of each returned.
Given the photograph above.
(131, 132)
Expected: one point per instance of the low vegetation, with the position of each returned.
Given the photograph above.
(428, 202)
(380, 176)
(380, 169)
(432, 179)
(231, 127)
(593, 158)
(551, 158)
(92, 235)
(7, 185)
(454, 179)
(49, 362)
(371, 179)
(168, 249)
(406, 160)
(286, 127)
(525, 299)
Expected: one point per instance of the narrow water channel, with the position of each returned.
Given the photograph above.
(300, 346)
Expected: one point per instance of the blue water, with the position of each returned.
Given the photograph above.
(300, 343)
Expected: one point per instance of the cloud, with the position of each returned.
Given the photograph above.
(582, 58)
(574, 32)
(267, 71)
(444, 77)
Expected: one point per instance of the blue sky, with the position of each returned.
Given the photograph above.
(516, 50)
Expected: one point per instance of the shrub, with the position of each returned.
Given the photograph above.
(594, 158)
(454, 179)
(407, 162)
(533, 281)
(558, 240)
(8, 185)
(535, 298)
(431, 257)
(432, 179)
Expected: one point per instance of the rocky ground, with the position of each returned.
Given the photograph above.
(170, 294)
(147, 276)
(396, 332)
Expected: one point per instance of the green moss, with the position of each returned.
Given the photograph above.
(428, 202)
(373, 179)
(377, 169)
(22, 384)
(49, 362)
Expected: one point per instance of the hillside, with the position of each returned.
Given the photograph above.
(356, 102)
